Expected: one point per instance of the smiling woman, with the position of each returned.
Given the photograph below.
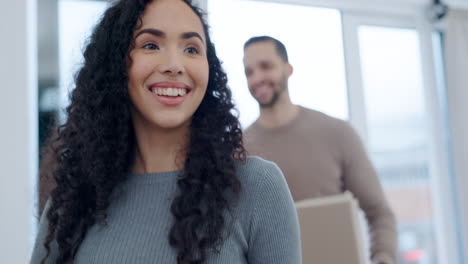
(149, 166)
(167, 57)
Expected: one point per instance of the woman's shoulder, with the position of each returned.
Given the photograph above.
(266, 202)
(258, 177)
(261, 182)
(255, 169)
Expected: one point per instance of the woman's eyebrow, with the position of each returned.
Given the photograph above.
(159, 33)
(187, 35)
(151, 31)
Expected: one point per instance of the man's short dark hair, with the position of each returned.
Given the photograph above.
(280, 48)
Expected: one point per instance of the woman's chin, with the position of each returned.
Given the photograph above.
(171, 123)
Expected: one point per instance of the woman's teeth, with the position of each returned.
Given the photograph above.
(170, 91)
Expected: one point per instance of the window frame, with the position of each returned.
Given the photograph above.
(445, 222)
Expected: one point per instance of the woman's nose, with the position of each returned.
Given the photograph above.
(171, 64)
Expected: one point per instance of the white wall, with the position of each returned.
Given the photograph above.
(18, 128)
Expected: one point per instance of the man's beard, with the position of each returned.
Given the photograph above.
(275, 97)
(273, 100)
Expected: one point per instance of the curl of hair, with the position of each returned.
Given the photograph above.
(94, 150)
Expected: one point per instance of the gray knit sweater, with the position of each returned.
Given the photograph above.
(263, 226)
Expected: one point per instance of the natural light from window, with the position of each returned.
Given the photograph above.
(312, 36)
(76, 21)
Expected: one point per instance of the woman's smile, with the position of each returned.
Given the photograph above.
(170, 93)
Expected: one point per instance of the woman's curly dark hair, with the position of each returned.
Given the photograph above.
(93, 151)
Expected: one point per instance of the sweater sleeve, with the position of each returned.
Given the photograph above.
(361, 179)
(274, 227)
(39, 251)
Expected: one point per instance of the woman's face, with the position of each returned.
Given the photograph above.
(168, 72)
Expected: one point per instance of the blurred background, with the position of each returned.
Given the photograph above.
(396, 69)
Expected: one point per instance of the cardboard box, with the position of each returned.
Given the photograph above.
(330, 230)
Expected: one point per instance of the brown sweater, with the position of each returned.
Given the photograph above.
(321, 155)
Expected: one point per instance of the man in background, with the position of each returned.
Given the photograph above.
(318, 154)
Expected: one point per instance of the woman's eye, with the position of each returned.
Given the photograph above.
(191, 50)
(150, 46)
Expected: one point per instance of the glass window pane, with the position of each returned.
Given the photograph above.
(398, 138)
(315, 51)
